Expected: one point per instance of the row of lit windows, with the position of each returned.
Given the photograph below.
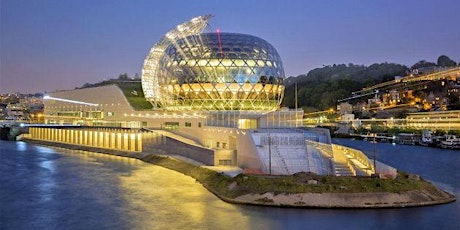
(236, 47)
(240, 82)
(80, 106)
(83, 114)
(231, 62)
(224, 54)
(175, 125)
(244, 42)
(216, 97)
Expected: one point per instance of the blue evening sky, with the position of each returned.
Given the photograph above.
(49, 45)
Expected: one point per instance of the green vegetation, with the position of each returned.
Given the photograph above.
(131, 88)
(443, 60)
(322, 87)
(134, 94)
(298, 183)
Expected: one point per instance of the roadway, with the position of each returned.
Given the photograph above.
(452, 74)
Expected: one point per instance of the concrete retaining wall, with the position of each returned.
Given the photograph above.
(169, 146)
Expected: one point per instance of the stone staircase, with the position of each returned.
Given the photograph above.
(341, 169)
(288, 153)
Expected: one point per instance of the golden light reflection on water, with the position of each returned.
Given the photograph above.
(164, 199)
(95, 158)
(152, 197)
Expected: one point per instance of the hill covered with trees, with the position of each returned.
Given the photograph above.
(322, 87)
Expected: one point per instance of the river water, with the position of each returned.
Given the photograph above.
(54, 188)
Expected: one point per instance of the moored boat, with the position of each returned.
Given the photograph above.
(426, 139)
(450, 142)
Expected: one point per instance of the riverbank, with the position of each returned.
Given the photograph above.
(301, 190)
(449, 140)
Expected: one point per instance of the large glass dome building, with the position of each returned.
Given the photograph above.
(191, 70)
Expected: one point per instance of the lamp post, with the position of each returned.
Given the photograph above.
(269, 155)
(375, 165)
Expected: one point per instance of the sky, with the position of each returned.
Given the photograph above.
(50, 45)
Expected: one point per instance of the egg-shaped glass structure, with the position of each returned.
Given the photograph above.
(214, 71)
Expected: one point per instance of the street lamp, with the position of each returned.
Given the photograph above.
(375, 165)
(269, 155)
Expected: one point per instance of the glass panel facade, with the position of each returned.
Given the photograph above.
(213, 71)
(232, 81)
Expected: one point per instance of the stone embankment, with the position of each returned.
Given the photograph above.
(349, 200)
(412, 198)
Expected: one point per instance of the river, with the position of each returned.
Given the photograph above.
(54, 188)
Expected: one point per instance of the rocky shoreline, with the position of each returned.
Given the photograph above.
(413, 198)
(347, 200)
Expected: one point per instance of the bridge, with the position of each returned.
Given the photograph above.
(10, 129)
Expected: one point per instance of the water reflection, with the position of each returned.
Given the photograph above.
(21, 146)
(53, 188)
(103, 191)
(44, 150)
(46, 181)
(155, 194)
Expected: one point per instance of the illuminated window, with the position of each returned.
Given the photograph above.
(171, 125)
(225, 162)
(247, 124)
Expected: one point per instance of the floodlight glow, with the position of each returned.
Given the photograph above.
(47, 97)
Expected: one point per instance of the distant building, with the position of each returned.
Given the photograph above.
(3, 111)
(345, 108)
(348, 117)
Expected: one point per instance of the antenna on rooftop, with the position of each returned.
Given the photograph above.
(220, 42)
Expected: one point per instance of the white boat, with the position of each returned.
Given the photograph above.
(450, 142)
(426, 139)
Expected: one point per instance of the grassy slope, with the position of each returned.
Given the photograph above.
(297, 183)
(138, 101)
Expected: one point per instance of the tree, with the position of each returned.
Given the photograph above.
(123, 77)
(322, 87)
(445, 61)
(422, 63)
